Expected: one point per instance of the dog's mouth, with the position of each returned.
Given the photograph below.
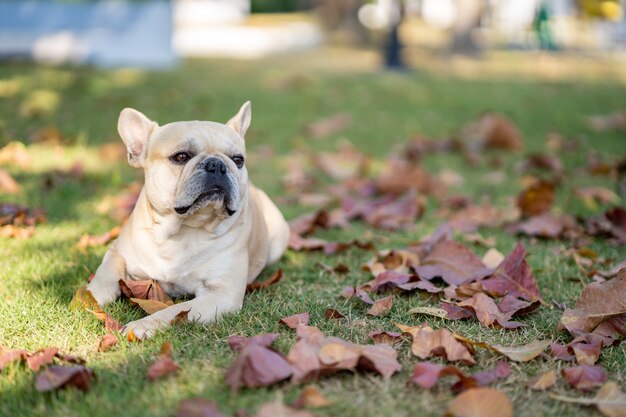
(214, 194)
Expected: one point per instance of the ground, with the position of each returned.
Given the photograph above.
(40, 274)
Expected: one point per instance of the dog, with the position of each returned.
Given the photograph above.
(199, 226)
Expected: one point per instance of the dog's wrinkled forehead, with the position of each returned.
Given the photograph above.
(195, 137)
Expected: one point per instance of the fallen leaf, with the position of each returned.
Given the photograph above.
(257, 366)
(611, 121)
(311, 397)
(387, 338)
(548, 226)
(514, 277)
(88, 241)
(331, 313)
(492, 258)
(440, 342)
(343, 164)
(145, 289)
(107, 341)
(427, 374)
(273, 279)
(585, 377)
(610, 400)
(329, 125)
(430, 311)
(237, 343)
(594, 195)
(536, 199)
(164, 365)
(7, 184)
(150, 306)
(42, 357)
(84, 300)
(490, 131)
(8, 356)
(198, 407)
(488, 313)
(278, 409)
(501, 371)
(400, 177)
(523, 353)
(295, 320)
(542, 381)
(480, 402)
(381, 307)
(598, 302)
(56, 377)
(452, 262)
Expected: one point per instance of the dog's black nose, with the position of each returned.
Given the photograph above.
(215, 166)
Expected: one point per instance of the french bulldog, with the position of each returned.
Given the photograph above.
(199, 226)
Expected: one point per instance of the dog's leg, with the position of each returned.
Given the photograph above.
(104, 285)
(209, 304)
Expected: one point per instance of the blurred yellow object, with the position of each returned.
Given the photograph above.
(605, 9)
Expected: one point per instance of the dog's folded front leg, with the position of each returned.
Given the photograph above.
(209, 304)
(104, 286)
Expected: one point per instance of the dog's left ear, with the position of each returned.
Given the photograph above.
(241, 121)
(135, 129)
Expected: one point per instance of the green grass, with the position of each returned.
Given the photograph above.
(39, 275)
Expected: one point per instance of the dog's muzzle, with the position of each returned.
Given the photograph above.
(215, 185)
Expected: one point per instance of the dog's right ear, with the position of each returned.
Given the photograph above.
(135, 129)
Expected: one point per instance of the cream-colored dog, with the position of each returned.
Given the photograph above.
(199, 226)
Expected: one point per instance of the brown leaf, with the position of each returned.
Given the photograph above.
(548, 226)
(440, 342)
(381, 307)
(346, 163)
(453, 262)
(107, 341)
(480, 402)
(7, 184)
(401, 177)
(501, 371)
(331, 313)
(8, 356)
(56, 377)
(387, 338)
(88, 241)
(164, 365)
(432, 311)
(606, 122)
(611, 401)
(599, 302)
(585, 348)
(543, 381)
(311, 397)
(145, 289)
(295, 320)
(488, 312)
(328, 125)
(490, 131)
(42, 357)
(278, 409)
(593, 195)
(150, 306)
(198, 407)
(237, 343)
(523, 353)
(257, 366)
(427, 374)
(514, 277)
(536, 199)
(273, 279)
(16, 215)
(84, 300)
(585, 377)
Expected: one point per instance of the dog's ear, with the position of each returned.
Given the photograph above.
(135, 129)
(241, 121)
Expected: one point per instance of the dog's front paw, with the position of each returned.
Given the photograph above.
(143, 328)
(104, 293)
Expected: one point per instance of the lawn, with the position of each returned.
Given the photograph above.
(40, 274)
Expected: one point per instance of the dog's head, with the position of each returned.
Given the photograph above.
(190, 167)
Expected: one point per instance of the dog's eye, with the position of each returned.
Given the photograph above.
(180, 157)
(238, 160)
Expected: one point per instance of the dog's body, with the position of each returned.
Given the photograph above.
(199, 226)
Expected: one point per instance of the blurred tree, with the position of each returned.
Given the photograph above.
(468, 14)
(278, 6)
(341, 16)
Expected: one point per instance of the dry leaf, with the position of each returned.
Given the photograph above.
(536, 199)
(237, 343)
(381, 307)
(88, 241)
(164, 365)
(150, 306)
(387, 338)
(331, 313)
(488, 312)
(523, 353)
(610, 400)
(42, 357)
(492, 258)
(329, 125)
(585, 377)
(278, 409)
(198, 407)
(7, 184)
(311, 397)
(295, 320)
(543, 381)
(441, 342)
(480, 402)
(273, 279)
(107, 341)
(257, 366)
(56, 377)
(430, 311)
(145, 289)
